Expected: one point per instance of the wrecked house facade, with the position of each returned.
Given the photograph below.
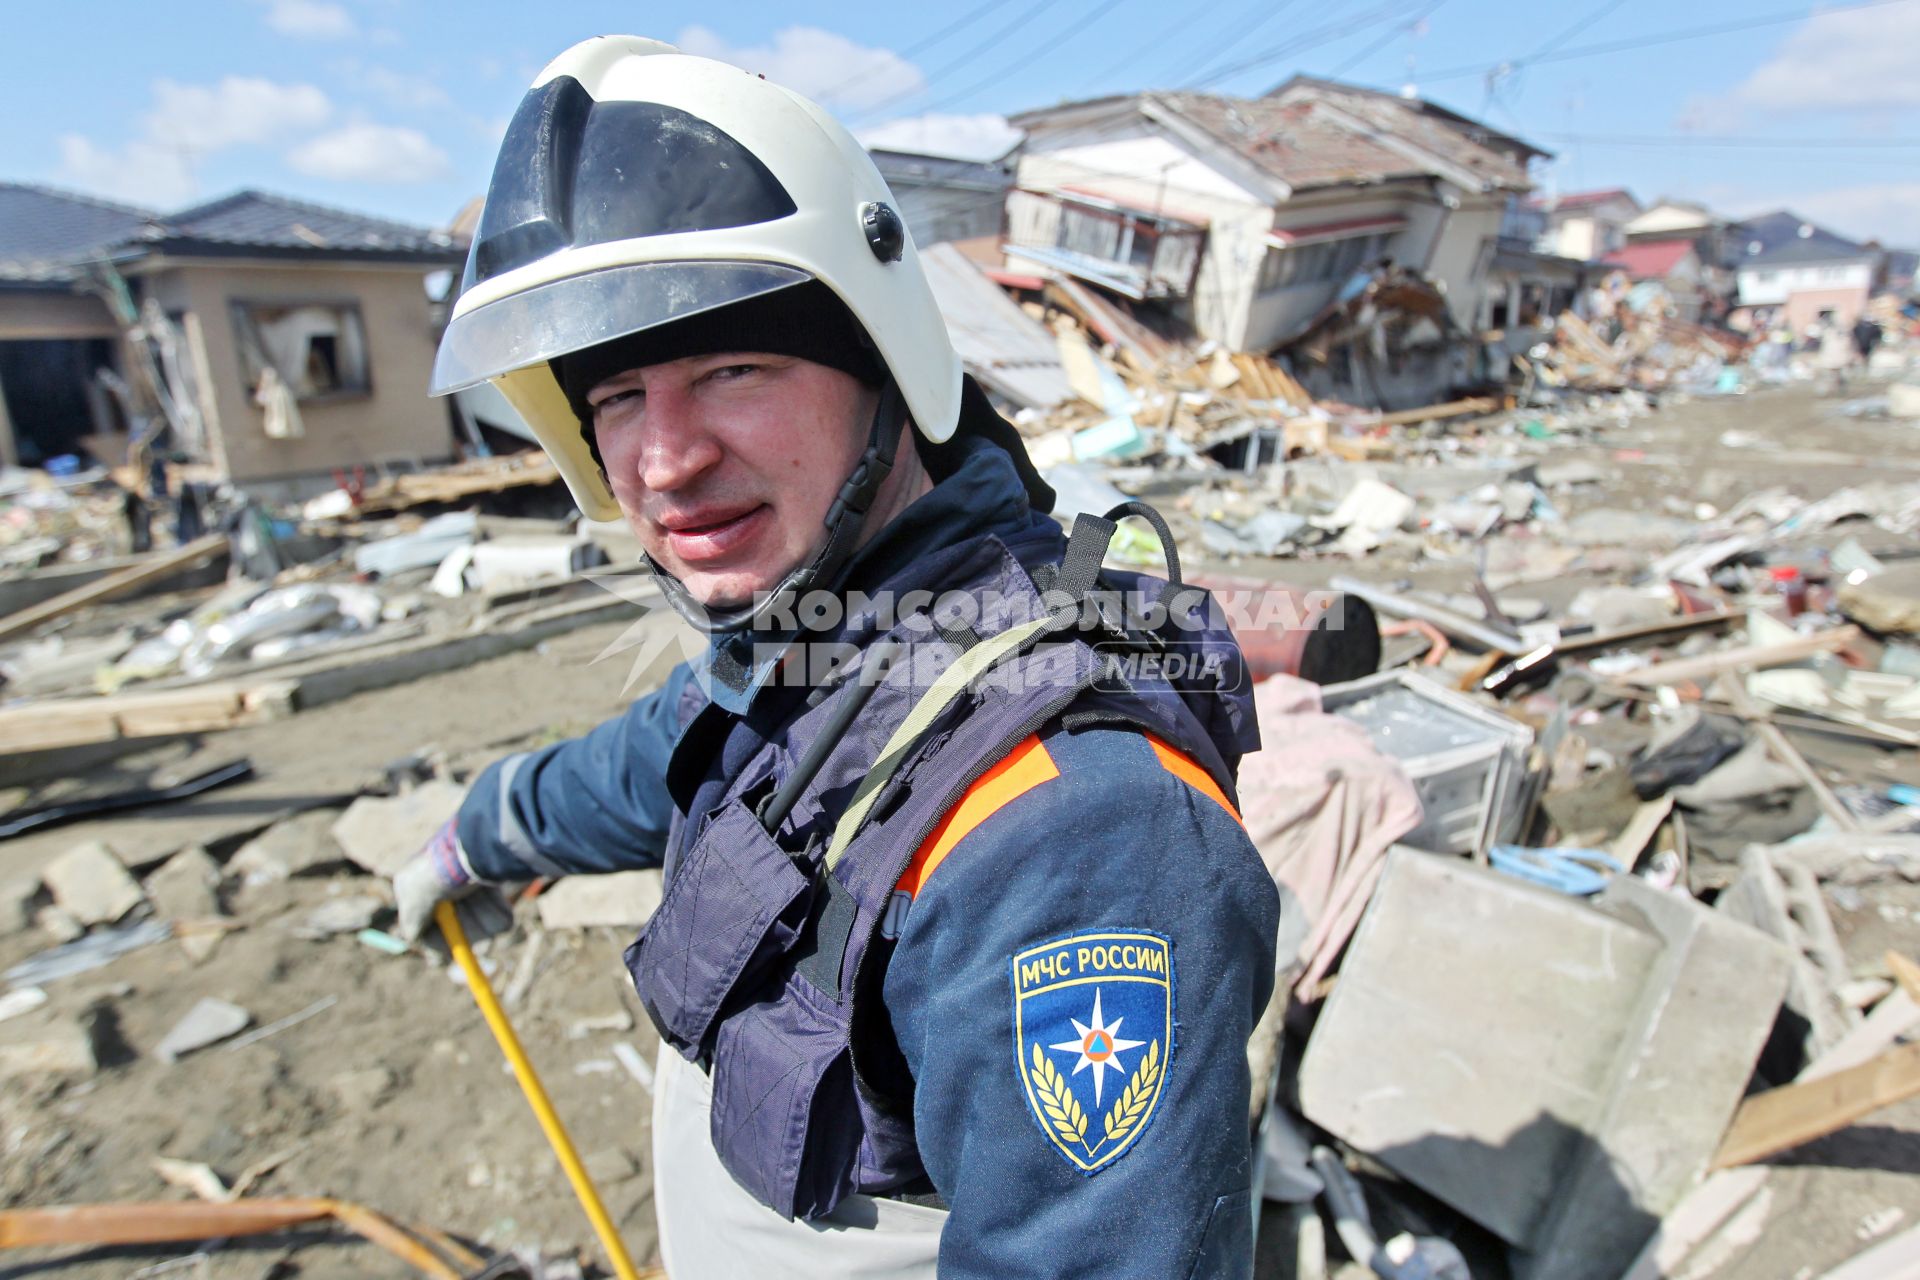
(235, 296)
(1584, 224)
(1247, 218)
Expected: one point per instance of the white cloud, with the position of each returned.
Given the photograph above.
(311, 19)
(1858, 60)
(141, 172)
(380, 153)
(826, 67)
(239, 109)
(186, 123)
(981, 137)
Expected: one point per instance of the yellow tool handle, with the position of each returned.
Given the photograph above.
(449, 922)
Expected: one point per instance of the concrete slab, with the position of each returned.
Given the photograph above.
(1558, 1072)
(1685, 1058)
(297, 844)
(209, 1022)
(183, 888)
(1470, 1038)
(379, 833)
(1762, 899)
(90, 884)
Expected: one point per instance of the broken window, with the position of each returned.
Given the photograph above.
(318, 349)
(1319, 263)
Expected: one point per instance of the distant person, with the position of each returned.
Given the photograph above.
(1836, 357)
(1866, 336)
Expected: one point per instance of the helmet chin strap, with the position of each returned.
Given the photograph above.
(844, 522)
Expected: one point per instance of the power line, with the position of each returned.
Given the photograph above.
(1021, 20)
(968, 18)
(1303, 41)
(1260, 15)
(1384, 40)
(1574, 30)
(1019, 64)
(1644, 42)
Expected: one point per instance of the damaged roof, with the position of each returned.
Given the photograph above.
(1318, 133)
(1293, 142)
(46, 235)
(1498, 158)
(1010, 352)
(42, 231)
(256, 219)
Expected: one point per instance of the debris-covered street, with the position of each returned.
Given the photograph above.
(272, 913)
(425, 849)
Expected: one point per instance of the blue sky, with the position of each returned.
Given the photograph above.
(394, 106)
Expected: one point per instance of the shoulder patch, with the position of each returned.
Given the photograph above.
(1093, 1039)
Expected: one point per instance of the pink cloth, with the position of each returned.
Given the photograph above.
(1322, 805)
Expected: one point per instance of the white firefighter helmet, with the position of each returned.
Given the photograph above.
(638, 185)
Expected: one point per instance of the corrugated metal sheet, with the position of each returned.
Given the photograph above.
(1009, 351)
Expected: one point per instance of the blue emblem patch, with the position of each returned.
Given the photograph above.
(1093, 1039)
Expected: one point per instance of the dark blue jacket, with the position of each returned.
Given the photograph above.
(1115, 843)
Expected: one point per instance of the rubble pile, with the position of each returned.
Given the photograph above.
(48, 518)
(1596, 799)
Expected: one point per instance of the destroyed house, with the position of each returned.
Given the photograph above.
(945, 199)
(1584, 224)
(1244, 218)
(290, 339)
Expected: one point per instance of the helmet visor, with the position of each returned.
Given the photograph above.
(577, 312)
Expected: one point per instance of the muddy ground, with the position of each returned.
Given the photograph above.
(395, 1096)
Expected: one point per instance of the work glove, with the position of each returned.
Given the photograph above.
(439, 873)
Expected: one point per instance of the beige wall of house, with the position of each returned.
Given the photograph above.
(395, 421)
(1805, 305)
(1274, 315)
(53, 315)
(1139, 166)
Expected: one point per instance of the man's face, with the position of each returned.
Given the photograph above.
(725, 465)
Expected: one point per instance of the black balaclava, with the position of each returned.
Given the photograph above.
(808, 322)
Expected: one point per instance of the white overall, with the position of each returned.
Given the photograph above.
(711, 1229)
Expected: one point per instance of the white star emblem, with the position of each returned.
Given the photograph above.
(1099, 1046)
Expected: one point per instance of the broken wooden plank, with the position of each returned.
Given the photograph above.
(1750, 657)
(1906, 973)
(1786, 753)
(73, 722)
(1435, 412)
(1781, 1119)
(132, 577)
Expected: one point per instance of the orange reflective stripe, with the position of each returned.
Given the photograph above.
(1024, 768)
(1182, 767)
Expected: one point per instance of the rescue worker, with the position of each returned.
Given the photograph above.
(961, 944)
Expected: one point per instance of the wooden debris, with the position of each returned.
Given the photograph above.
(131, 578)
(1436, 412)
(1781, 1119)
(1906, 973)
(1786, 753)
(1752, 657)
(457, 483)
(73, 722)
